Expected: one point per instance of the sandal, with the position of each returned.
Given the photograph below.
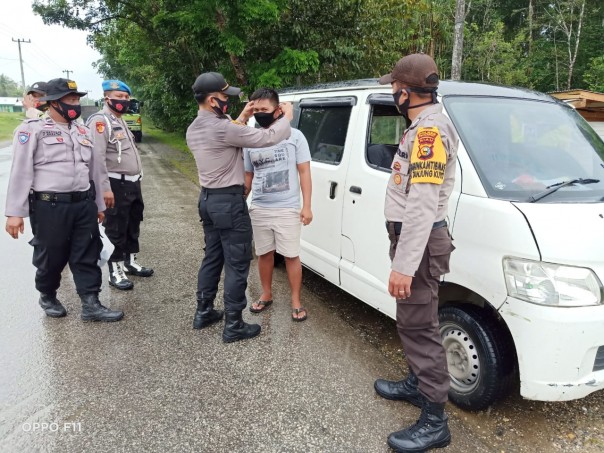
(296, 312)
(264, 304)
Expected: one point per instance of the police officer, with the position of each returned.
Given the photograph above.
(34, 108)
(122, 174)
(216, 142)
(417, 196)
(53, 180)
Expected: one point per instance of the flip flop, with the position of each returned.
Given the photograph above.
(297, 311)
(264, 304)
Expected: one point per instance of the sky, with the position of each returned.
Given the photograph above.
(52, 50)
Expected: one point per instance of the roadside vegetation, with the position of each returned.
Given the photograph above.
(8, 122)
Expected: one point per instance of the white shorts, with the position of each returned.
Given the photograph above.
(276, 229)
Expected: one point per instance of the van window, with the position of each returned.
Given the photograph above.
(325, 129)
(522, 148)
(385, 131)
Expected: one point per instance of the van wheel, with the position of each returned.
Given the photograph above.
(138, 136)
(480, 356)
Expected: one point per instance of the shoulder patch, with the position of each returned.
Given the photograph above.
(100, 127)
(237, 123)
(33, 120)
(23, 137)
(428, 158)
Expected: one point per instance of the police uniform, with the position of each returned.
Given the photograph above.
(122, 174)
(216, 143)
(53, 179)
(416, 205)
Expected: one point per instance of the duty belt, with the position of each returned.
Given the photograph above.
(395, 227)
(66, 197)
(219, 190)
(122, 177)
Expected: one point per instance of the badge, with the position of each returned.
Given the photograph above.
(100, 127)
(86, 142)
(398, 179)
(81, 130)
(60, 139)
(237, 123)
(72, 85)
(23, 137)
(114, 85)
(49, 126)
(428, 158)
(397, 166)
(120, 136)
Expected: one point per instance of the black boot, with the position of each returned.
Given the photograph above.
(52, 306)
(235, 329)
(92, 310)
(206, 315)
(131, 266)
(430, 431)
(117, 277)
(405, 390)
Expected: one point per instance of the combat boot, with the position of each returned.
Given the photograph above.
(93, 310)
(236, 329)
(430, 431)
(405, 390)
(117, 277)
(51, 305)
(206, 315)
(131, 266)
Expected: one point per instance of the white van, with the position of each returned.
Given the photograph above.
(524, 298)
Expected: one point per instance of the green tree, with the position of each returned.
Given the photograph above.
(594, 76)
(8, 87)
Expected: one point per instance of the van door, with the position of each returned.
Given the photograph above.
(365, 272)
(325, 123)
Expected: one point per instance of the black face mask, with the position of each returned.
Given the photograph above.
(118, 105)
(222, 107)
(265, 119)
(68, 111)
(403, 109)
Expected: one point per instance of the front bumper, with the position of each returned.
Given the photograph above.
(559, 350)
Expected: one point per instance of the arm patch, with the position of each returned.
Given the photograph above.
(428, 158)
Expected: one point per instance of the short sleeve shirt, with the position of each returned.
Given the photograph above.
(276, 183)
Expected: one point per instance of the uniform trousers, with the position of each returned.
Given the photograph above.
(417, 316)
(66, 232)
(228, 243)
(122, 222)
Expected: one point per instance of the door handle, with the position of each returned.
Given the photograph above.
(356, 189)
(332, 190)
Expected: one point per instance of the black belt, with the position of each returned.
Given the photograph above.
(395, 227)
(219, 190)
(67, 197)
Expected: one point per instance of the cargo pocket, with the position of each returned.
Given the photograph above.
(220, 215)
(40, 255)
(440, 247)
(241, 253)
(136, 211)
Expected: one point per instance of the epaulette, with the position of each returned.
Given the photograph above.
(31, 120)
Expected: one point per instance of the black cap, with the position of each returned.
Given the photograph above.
(213, 82)
(38, 87)
(58, 88)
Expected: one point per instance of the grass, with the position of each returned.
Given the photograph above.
(174, 140)
(8, 122)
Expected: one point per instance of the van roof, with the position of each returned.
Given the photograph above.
(445, 88)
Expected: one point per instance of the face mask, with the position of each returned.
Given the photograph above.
(42, 106)
(222, 107)
(265, 119)
(118, 105)
(68, 111)
(403, 108)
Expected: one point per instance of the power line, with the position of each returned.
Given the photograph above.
(19, 41)
(67, 71)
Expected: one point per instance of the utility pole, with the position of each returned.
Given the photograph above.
(67, 71)
(19, 41)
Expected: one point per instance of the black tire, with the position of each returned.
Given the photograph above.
(480, 355)
(138, 136)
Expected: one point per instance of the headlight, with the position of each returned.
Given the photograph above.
(551, 284)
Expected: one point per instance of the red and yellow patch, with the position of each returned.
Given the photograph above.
(429, 158)
(397, 166)
(100, 127)
(398, 179)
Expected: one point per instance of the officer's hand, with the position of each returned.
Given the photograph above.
(247, 113)
(399, 285)
(305, 216)
(288, 110)
(14, 226)
(101, 216)
(109, 199)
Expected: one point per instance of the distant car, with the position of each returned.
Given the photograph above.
(134, 120)
(524, 298)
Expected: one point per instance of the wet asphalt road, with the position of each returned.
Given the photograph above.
(151, 383)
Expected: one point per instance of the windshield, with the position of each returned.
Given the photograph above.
(522, 147)
(134, 106)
